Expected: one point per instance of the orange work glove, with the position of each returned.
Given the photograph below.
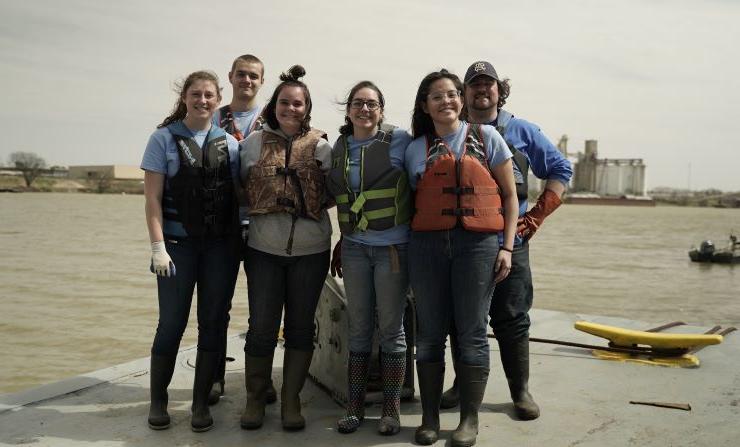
(531, 221)
(336, 260)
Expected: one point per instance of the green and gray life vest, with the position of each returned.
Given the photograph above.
(384, 198)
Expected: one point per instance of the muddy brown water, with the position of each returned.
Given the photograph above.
(76, 294)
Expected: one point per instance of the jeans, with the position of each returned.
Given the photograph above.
(375, 282)
(294, 282)
(451, 274)
(512, 299)
(211, 264)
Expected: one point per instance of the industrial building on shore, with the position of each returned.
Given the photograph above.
(619, 181)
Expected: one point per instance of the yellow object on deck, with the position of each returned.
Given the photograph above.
(628, 337)
(681, 361)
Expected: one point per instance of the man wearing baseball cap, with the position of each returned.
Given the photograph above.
(485, 95)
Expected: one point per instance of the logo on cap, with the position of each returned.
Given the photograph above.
(480, 66)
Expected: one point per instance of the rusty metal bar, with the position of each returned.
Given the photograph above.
(685, 407)
(637, 350)
(713, 330)
(666, 326)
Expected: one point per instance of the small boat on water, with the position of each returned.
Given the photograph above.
(707, 252)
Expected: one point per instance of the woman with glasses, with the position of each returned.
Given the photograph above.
(370, 187)
(464, 196)
(283, 170)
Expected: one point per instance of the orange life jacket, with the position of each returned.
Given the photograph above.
(452, 191)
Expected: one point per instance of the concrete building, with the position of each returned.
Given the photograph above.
(113, 172)
(608, 176)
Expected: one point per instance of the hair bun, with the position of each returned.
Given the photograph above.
(294, 73)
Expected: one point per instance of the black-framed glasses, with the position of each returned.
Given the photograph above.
(359, 103)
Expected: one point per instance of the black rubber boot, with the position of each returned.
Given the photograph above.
(472, 382)
(160, 375)
(393, 369)
(271, 393)
(295, 370)
(515, 359)
(357, 368)
(451, 397)
(431, 380)
(205, 367)
(257, 372)
(217, 389)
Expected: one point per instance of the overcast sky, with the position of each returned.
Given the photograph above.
(88, 81)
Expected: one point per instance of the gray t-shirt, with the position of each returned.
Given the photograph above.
(270, 232)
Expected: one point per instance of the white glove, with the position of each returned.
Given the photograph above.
(162, 264)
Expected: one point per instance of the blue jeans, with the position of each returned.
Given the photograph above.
(375, 282)
(512, 299)
(451, 274)
(211, 264)
(294, 282)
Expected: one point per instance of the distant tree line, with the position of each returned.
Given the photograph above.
(29, 163)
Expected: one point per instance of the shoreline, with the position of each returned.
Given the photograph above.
(16, 184)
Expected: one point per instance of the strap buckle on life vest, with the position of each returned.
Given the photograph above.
(359, 203)
(362, 224)
(458, 190)
(458, 212)
(285, 171)
(284, 201)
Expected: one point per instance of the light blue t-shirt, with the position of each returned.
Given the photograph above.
(496, 149)
(392, 236)
(244, 121)
(162, 156)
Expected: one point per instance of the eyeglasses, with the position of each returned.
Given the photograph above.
(358, 103)
(440, 96)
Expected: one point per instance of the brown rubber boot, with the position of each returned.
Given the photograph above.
(295, 370)
(257, 372)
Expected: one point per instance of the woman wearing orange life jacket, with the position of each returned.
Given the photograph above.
(464, 196)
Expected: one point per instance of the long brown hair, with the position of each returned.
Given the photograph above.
(421, 122)
(181, 88)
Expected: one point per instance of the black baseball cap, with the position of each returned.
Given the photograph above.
(480, 68)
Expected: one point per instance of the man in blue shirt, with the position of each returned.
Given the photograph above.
(485, 95)
(239, 118)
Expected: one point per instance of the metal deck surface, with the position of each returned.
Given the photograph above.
(584, 402)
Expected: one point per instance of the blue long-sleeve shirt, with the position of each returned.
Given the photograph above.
(545, 160)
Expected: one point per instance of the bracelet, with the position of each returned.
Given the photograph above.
(510, 250)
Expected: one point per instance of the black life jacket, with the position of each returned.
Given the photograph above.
(384, 199)
(202, 191)
(521, 161)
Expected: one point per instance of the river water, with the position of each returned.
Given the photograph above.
(76, 294)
